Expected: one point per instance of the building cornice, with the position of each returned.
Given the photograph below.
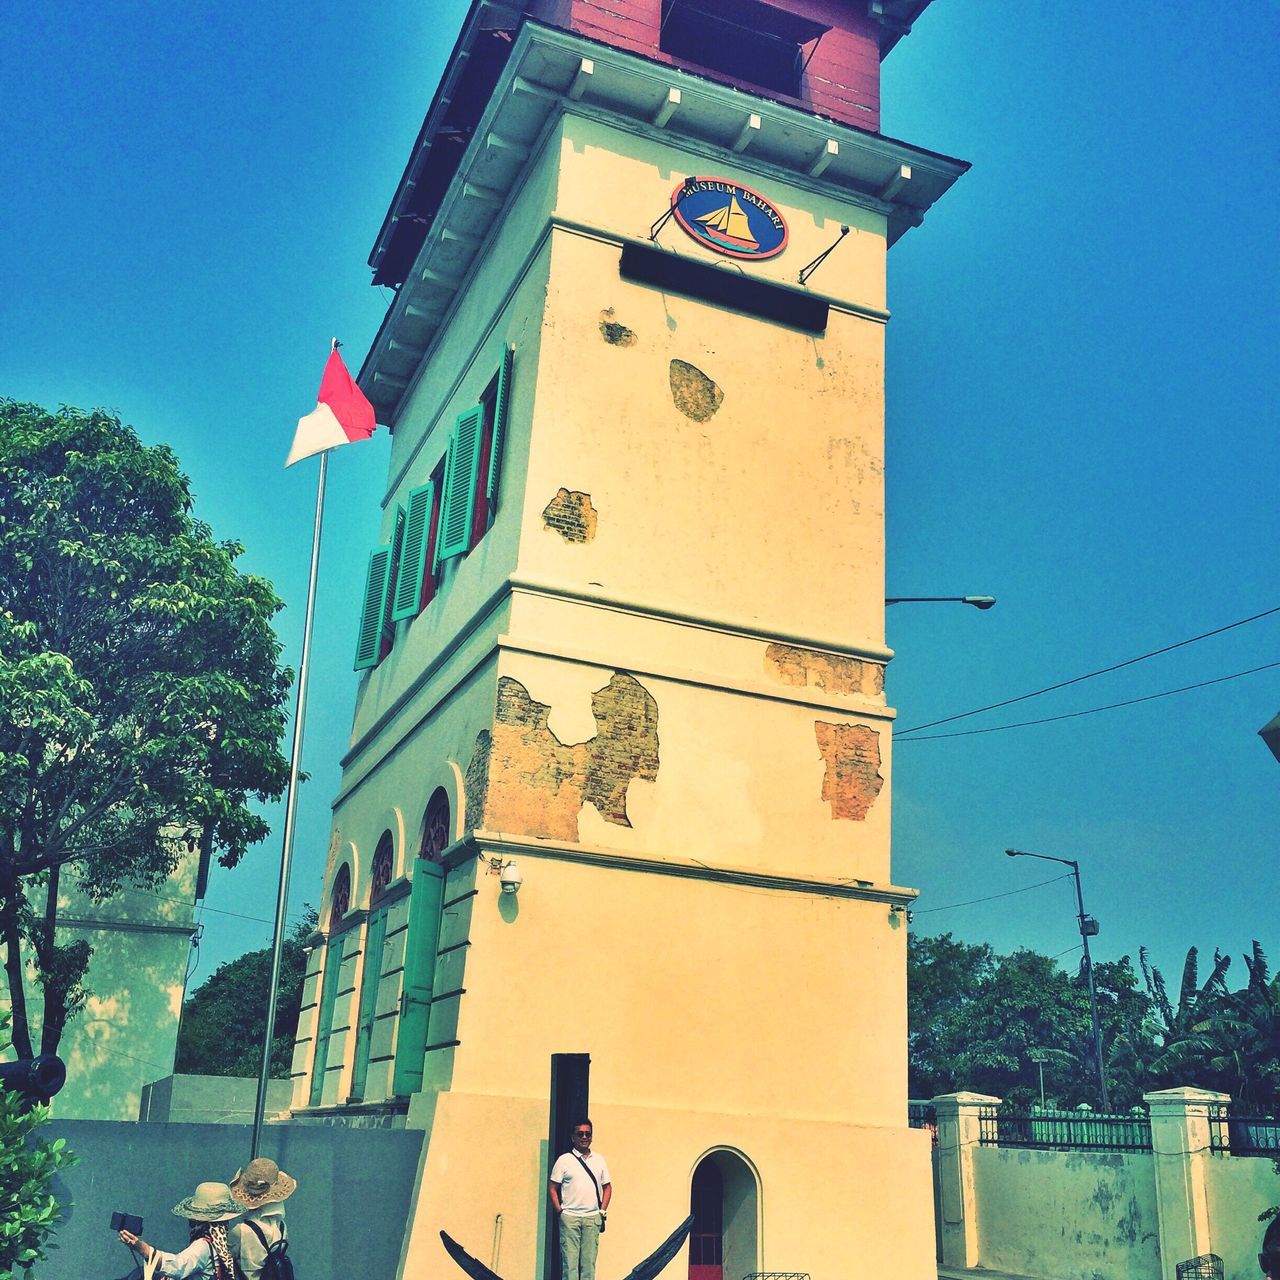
(551, 73)
(484, 844)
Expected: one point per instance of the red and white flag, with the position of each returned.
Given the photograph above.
(342, 414)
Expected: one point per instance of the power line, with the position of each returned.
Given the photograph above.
(1111, 706)
(1062, 684)
(951, 906)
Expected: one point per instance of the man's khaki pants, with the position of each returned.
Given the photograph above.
(579, 1242)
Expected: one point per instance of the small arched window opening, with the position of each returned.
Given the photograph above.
(436, 833)
(375, 936)
(724, 1241)
(422, 942)
(341, 902)
(383, 864)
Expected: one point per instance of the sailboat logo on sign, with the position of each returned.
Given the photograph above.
(729, 218)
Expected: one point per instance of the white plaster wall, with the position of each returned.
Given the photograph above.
(1067, 1215)
(1239, 1188)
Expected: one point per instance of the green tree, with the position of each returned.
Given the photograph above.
(225, 1018)
(141, 693)
(28, 1210)
(944, 977)
(1218, 1038)
(976, 1020)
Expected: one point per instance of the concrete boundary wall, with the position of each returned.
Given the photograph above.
(345, 1219)
(1098, 1215)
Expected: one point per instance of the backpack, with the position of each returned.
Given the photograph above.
(277, 1265)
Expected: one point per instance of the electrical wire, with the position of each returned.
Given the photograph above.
(951, 906)
(1110, 706)
(1063, 684)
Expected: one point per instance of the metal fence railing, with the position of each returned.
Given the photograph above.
(1239, 1134)
(922, 1115)
(1064, 1130)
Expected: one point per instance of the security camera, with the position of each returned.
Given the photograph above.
(510, 878)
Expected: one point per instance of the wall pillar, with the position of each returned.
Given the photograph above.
(1180, 1133)
(958, 1135)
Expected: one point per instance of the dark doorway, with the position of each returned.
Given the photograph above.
(706, 1240)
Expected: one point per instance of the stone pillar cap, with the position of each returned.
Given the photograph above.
(1185, 1093)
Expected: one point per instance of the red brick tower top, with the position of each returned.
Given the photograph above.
(823, 55)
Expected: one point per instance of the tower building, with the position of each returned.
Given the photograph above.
(619, 778)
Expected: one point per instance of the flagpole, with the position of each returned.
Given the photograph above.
(291, 811)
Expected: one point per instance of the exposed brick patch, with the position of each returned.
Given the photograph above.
(617, 335)
(693, 393)
(571, 515)
(626, 747)
(852, 781)
(475, 785)
(806, 668)
(537, 785)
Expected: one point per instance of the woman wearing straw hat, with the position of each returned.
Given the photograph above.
(207, 1210)
(260, 1189)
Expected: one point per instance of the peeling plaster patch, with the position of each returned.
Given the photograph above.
(852, 781)
(571, 515)
(475, 786)
(617, 335)
(537, 785)
(806, 668)
(693, 393)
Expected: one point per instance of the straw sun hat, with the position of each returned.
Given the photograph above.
(260, 1182)
(210, 1202)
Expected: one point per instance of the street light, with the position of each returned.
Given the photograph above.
(1088, 929)
(978, 602)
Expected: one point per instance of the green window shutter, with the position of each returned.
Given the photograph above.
(460, 483)
(375, 936)
(324, 1026)
(374, 609)
(500, 424)
(413, 554)
(421, 943)
(393, 572)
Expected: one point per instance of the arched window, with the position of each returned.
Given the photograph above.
(421, 945)
(339, 906)
(723, 1244)
(341, 903)
(383, 864)
(375, 936)
(436, 833)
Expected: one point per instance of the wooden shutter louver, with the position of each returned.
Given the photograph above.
(499, 425)
(369, 641)
(460, 483)
(407, 600)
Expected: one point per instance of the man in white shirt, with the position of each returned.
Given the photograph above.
(580, 1193)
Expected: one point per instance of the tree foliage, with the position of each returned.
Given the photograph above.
(28, 1210)
(141, 693)
(977, 1019)
(225, 1018)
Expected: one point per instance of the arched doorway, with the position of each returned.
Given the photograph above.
(724, 1242)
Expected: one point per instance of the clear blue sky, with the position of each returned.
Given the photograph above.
(1082, 421)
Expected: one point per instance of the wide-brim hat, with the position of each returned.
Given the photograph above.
(260, 1182)
(209, 1202)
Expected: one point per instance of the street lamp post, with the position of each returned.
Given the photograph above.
(1088, 929)
(978, 602)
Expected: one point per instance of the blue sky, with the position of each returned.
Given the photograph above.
(1082, 412)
